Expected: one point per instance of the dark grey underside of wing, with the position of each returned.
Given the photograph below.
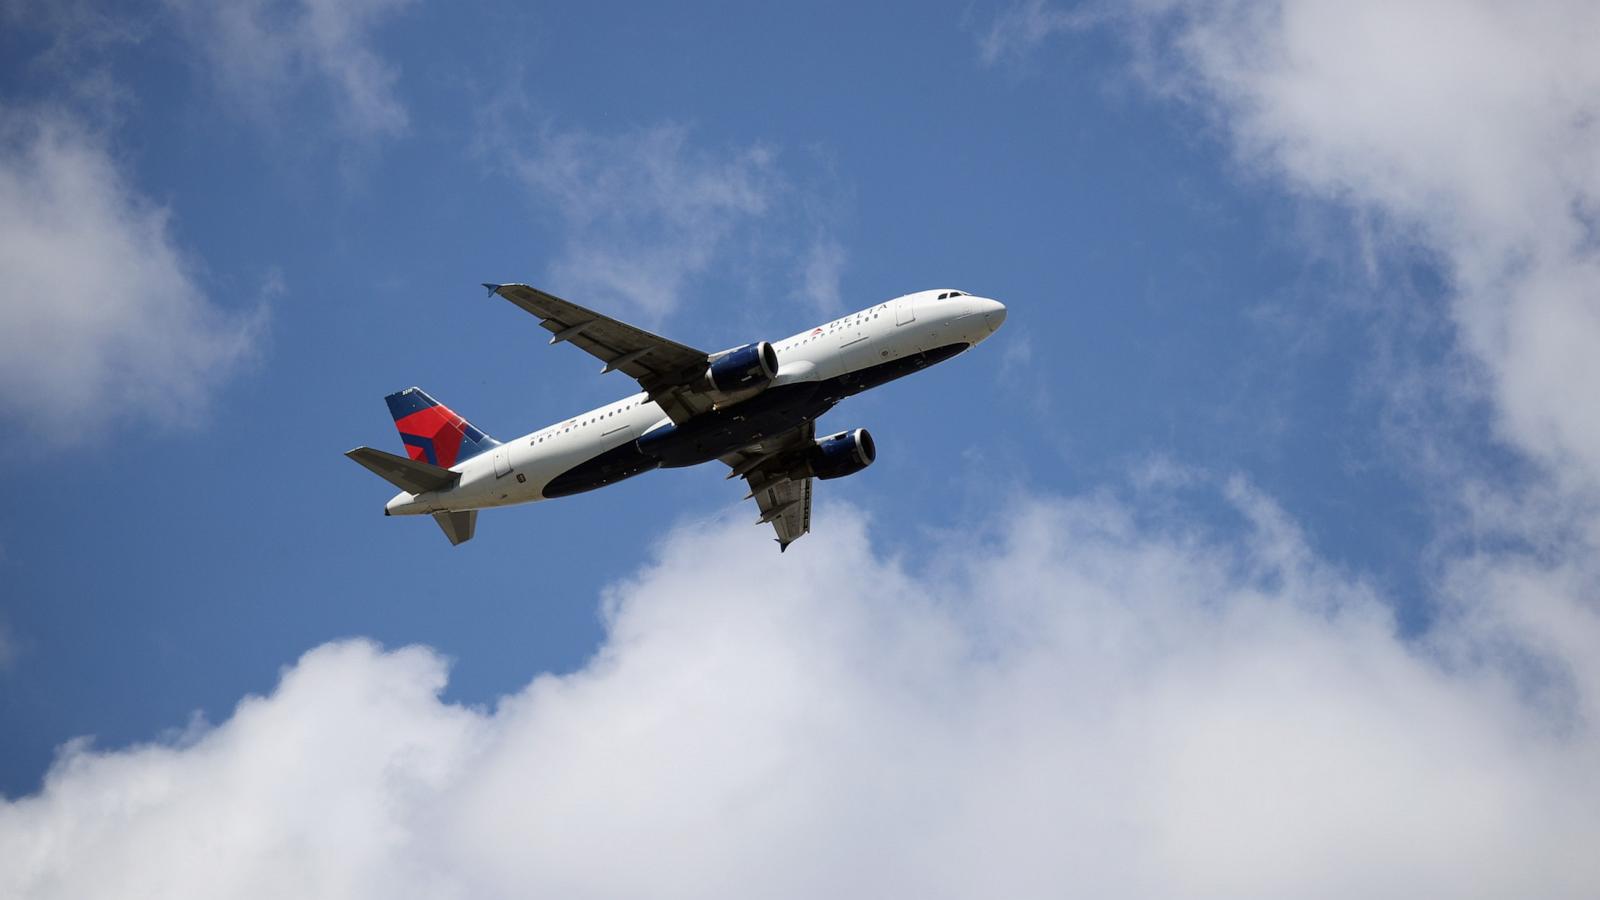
(786, 503)
(794, 498)
(667, 370)
(406, 474)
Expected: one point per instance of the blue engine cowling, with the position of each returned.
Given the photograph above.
(838, 455)
(750, 366)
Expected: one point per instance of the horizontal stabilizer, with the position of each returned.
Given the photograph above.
(457, 526)
(412, 475)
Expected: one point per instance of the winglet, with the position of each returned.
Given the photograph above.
(493, 288)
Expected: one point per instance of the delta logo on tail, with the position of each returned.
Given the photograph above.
(433, 432)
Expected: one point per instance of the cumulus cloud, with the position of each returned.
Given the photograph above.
(100, 314)
(1465, 128)
(1073, 698)
(1465, 131)
(265, 52)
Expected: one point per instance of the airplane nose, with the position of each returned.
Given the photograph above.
(994, 314)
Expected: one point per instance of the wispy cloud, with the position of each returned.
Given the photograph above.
(1070, 693)
(101, 318)
(77, 30)
(646, 213)
(822, 272)
(1022, 27)
(266, 54)
(1466, 129)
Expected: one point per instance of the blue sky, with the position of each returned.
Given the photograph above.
(1264, 341)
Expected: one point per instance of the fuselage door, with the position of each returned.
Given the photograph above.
(502, 462)
(904, 312)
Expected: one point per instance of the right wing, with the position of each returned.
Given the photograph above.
(785, 502)
(667, 370)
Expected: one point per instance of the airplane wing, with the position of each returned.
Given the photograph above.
(667, 370)
(785, 502)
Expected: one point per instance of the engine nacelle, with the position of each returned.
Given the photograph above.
(742, 369)
(838, 455)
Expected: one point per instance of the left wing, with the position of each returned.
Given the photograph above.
(411, 475)
(667, 370)
(784, 501)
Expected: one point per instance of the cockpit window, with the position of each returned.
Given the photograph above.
(948, 294)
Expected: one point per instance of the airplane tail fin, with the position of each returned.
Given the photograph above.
(434, 433)
(418, 477)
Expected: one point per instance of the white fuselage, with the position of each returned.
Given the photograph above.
(519, 470)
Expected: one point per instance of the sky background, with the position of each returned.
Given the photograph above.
(1255, 555)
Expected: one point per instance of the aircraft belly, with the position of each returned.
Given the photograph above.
(717, 433)
(895, 367)
(607, 467)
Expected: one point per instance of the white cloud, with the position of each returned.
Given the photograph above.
(645, 212)
(81, 32)
(650, 214)
(821, 274)
(264, 52)
(1018, 30)
(1467, 128)
(100, 316)
(1073, 697)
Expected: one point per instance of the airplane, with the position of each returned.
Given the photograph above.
(754, 407)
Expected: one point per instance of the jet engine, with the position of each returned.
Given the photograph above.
(838, 455)
(742, 369)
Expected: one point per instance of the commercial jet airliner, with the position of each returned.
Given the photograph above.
(754, 407)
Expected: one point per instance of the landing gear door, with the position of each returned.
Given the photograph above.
(904, 312)
(502, 462)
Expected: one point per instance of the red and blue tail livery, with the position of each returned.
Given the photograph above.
(433, 432)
